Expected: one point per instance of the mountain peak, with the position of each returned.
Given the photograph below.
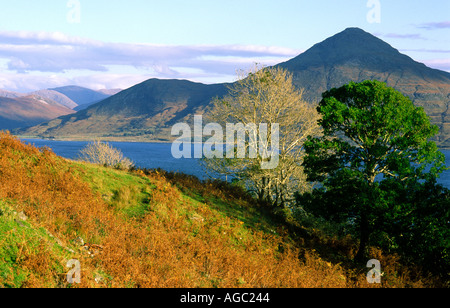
(358, 40)
(356, 55)
(354, 31)
(80, 95)
(353, 45)
(148, 110)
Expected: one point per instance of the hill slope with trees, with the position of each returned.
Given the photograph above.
(147, 228)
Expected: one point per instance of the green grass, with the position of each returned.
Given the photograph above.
(201, 213)
(127, 193)
(131, 194)
(21, 244)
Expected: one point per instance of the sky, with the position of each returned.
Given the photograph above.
(113, 44)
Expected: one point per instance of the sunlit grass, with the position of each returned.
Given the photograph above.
(156, 230)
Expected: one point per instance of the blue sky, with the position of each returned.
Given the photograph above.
(116, 44)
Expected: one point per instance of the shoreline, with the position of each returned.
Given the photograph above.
(120, 139)
(87, 139)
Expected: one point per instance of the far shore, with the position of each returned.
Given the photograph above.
(133, 139)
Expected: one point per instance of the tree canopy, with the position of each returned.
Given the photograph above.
(265, 96)
(375, 144)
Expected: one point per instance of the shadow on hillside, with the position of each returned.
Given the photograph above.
(235, 202)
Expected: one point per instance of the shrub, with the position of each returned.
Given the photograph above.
(102, 153)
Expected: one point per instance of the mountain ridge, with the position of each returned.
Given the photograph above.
(363, 56)
(57, 97)
(28, 111)
(143, 110)
(84, 97)
(148, 109)
(361, 50)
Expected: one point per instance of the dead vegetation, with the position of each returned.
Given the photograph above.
(150, 229)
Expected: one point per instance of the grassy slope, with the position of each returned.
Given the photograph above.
(156, 230)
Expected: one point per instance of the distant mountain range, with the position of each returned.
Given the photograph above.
(143, 112)
(29, 109)
(82, 96)
(147, 110)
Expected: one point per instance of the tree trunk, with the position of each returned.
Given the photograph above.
(261, 190)
(363, 238)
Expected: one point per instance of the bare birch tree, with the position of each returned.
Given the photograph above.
(104, 154)
(266, 95)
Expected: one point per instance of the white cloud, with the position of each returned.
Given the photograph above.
(29, 53)
(409, 36)
(26, 83)
(435, 25)
(41, 37)
(442, 64)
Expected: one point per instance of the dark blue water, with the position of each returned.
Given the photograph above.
(159, 155)
(143, 155)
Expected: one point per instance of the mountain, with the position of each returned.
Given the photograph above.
(109, 92)
(147, 111)
(10, 94)
(355, 55)
(20, 110)
(83, 97)
(28, 111)
(56, 97)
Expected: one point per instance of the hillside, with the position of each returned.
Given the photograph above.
(152, 229)
(57, 97)
(10, 94)
(147, 111)
(28, 111)
(355, 55)
(22, 110)
(83, 97)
